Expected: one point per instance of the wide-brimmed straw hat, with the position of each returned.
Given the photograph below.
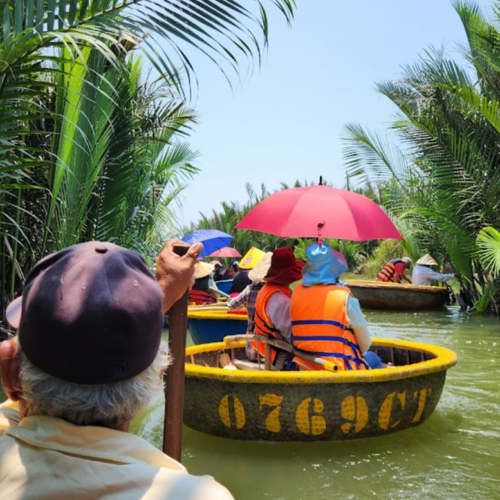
(323, 266)
(202, 269)
(426, 260)
(285, 268)
(260, 270)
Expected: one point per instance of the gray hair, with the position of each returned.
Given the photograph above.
(105, 405)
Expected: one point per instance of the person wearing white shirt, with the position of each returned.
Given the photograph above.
(424, 275)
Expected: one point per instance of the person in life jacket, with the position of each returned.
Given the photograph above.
(394, 271)
(327, 320)
(272, 309)
(200, 292)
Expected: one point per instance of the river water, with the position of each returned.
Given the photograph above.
(455, 454)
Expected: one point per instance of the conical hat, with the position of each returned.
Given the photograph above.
(202, 269)
(251, 258)
(260, 270)
(426, 260)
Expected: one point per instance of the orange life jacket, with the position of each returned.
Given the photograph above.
(263, 324)
(388, 271)
(320, 327)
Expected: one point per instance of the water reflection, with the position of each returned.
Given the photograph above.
(454, 455)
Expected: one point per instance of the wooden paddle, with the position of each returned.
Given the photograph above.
(174, 390)
(285, 346)
(219, 292)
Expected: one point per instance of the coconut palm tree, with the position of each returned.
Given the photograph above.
(56, 86)
(446, 171)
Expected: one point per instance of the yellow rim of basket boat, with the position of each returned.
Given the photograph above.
(444, 359)
(215, 315)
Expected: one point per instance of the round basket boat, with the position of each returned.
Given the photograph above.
(208, 325)
(397, 296)
(317, 405)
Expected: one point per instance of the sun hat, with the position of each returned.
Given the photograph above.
(407, 259)
(323, 266)
(426, 260)
(90, 314)
(285, 268)
(251, 258)
(202, 269)
(260, 270)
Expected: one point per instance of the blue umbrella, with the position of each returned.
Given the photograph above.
(212, 240)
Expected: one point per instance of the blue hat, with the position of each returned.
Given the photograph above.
(323, 266)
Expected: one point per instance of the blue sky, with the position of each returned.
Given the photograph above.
(285, 121)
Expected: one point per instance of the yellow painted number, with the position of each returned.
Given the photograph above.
(237, 409)
(355, 410)
(309, 424)
(386, 410)
(422, 396)
(273, 419)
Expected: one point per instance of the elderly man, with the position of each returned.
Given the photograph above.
(87, 360)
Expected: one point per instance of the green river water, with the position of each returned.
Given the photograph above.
(455, 454)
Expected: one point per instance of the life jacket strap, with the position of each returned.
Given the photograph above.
(322, 322)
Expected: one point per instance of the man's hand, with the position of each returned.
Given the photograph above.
(174, 272)
(10, 362)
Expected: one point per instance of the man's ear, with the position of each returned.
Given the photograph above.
(10, 364)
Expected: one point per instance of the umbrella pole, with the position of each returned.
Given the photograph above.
(174, 390)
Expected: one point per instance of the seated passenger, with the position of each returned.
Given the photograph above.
(240, 281)
(394, 271)
(218, 270)
(200, 292)
(424, 275)
(272, 309)
(248, 298)
(326, 319)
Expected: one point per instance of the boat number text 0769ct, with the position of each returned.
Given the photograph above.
(308, 414)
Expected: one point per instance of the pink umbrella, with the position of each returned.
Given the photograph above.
(320, 211)
(225, 252)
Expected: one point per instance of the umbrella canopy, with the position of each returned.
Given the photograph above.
(226, 252)
(320, 211)
(251, 258)
(212, 240)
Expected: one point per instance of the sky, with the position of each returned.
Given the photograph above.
(285, 121)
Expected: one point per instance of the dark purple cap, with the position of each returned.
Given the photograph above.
(90, 314)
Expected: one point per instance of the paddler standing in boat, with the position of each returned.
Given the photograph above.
(87, 360)
(272, 309)
(394, 271)
(327, 320)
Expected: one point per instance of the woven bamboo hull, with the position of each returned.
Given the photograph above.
(314, 406)
(397, 296)
(208, 326)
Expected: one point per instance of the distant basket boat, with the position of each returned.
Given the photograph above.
(313, 406)
(397, 296)
(224, 285)
(212, 323)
